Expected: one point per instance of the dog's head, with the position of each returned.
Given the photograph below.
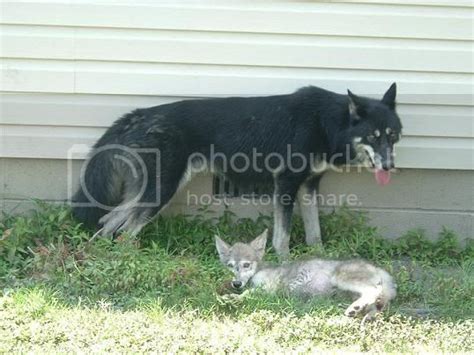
(242, 259)
(376, 127)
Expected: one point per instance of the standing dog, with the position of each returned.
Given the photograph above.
(288, 140)
(374, 286)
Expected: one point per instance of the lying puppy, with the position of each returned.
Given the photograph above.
(374, 286)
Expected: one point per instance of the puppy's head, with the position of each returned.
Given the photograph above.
(242, 258)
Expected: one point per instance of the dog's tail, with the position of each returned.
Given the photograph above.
(100, 189)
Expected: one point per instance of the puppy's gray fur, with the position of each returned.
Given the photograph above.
(374, 287)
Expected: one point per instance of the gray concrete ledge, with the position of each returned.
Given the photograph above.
(416, 198)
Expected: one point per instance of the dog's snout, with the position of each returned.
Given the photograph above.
(236, 284)
(387, 165)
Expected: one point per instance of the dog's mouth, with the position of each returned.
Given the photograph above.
(382, 175)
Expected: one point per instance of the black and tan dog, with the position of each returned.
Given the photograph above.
(287, 140)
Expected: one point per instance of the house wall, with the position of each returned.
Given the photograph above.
(70, 68)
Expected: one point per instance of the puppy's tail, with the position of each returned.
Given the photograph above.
(388, 289)
(100, 189)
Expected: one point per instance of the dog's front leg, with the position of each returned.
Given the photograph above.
(308, 203)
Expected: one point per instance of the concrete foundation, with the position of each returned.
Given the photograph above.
(416, 198)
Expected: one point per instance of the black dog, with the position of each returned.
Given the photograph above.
(141, 161)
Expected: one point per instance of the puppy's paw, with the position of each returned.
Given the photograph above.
(232, 299)
(355, 309)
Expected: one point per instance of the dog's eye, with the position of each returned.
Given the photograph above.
(246, 265)
(371, 138)
(230, 265)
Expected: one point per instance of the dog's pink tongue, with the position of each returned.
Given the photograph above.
(382, 177)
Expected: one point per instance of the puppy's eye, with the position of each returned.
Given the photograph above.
(230, 265)
(246, 265)
(371, 138)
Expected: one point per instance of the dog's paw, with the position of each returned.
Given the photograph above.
(369, 317)
(231, 298)
(355, 309)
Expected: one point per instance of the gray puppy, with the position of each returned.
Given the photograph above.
(374, 286)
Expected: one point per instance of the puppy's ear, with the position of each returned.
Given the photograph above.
(390, 96)
(223, 249)
(259, 243)
(355, 106)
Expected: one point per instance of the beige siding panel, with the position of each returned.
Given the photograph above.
(431, 153)
(61, 142)
(306, 18)
(207, 80)
(437, 121)
(103, 110)
(31, 76)
(37, 42)
(235, 49)
(44, 141)
(69, 68)
(450, 3)
(73, 110)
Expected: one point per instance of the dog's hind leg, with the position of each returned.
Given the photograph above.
(360, 278)
(143, 211)
(308, 203)
(129, 220)
(138, 218)
(114, 220)
(131, 212)
(131, 217)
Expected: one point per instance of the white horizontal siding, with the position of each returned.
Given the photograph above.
(68, 142)
(122, 78)
(69, 68)
(353, 19)
(102, 110)
(235, 49)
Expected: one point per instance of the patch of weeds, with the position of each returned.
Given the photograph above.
(40, 242)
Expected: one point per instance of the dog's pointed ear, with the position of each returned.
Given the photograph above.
(223, 249)
(354, 105)
(259, 243)
(390, 96)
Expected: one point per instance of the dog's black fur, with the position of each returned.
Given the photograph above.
(313, 121)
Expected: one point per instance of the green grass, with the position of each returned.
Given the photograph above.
(161, 291)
